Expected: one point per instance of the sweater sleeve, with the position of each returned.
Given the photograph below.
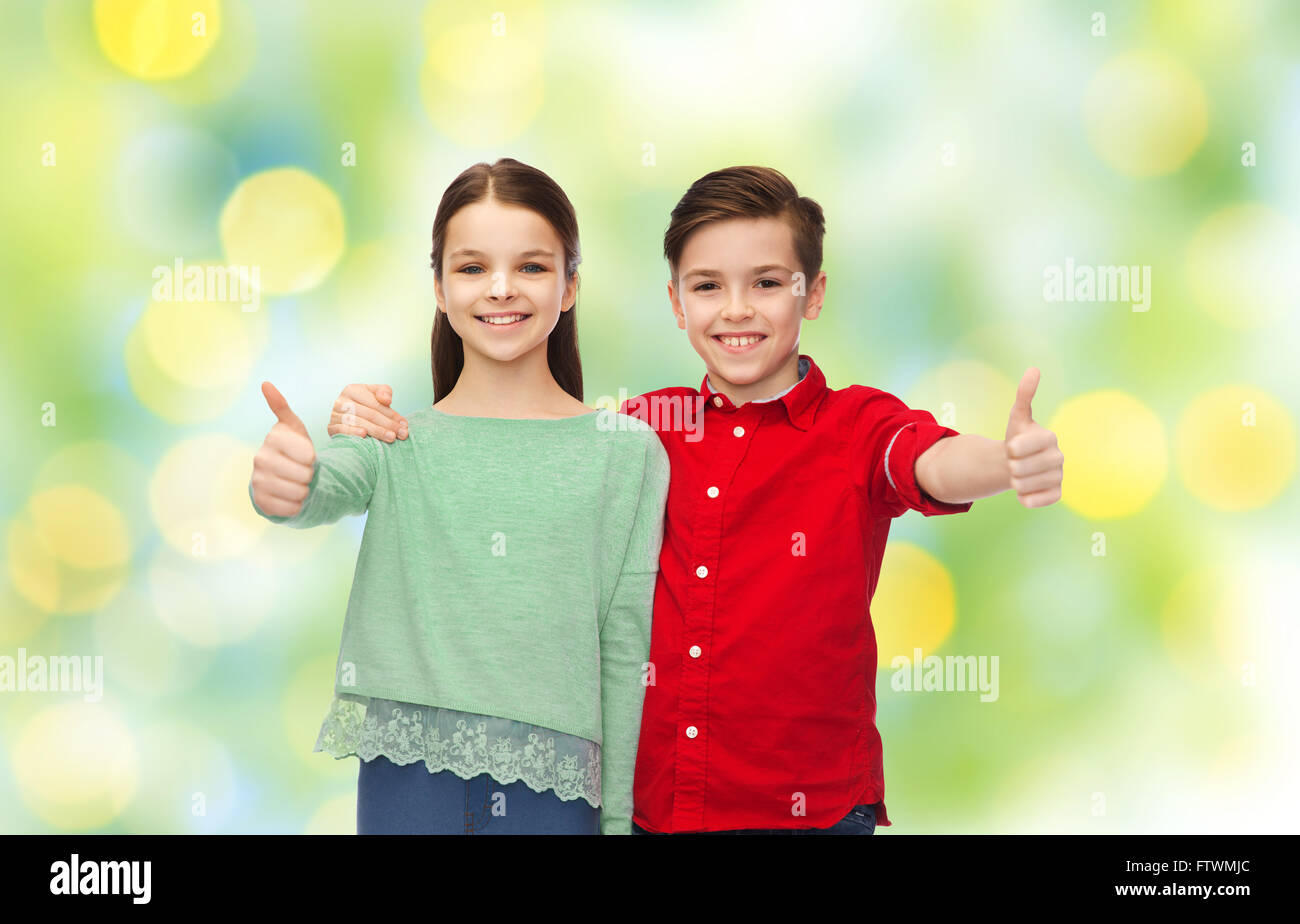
(342, 483)
(625, 645)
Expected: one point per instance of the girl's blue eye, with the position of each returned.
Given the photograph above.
(472, 266)
(538, 265)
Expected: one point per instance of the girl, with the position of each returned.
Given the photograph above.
(490, 673)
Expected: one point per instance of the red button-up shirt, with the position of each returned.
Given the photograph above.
(762, 705)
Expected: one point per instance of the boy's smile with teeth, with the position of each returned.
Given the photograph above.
(739, 341)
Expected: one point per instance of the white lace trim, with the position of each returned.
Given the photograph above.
(465, 743)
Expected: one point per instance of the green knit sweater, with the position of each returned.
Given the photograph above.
(507, 568)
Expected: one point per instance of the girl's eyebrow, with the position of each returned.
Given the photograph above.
(466, 252)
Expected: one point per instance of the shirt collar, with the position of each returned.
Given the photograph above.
(801, 399)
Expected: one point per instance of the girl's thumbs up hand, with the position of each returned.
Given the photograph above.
(1035, 462)
(283, 466)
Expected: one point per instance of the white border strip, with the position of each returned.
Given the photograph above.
(887, 448)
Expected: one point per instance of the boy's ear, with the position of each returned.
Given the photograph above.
(816, 297)
(676, 302)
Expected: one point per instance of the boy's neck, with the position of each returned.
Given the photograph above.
(764, 389)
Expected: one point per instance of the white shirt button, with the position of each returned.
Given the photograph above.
(701, 571)
(695, 651)
(713, 492)
(717, 402)
(691, 731)
(739, 431)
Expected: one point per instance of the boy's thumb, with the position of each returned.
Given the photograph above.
(1021, 410)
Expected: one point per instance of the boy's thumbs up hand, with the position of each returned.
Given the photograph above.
(283, 466)
(1035, 462)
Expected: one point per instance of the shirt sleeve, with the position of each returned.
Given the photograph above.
(625, 645)
(888, 438)
(343, 480)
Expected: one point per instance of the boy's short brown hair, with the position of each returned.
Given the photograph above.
(748, 192)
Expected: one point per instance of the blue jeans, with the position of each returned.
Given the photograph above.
(393, 799)
(861, 819)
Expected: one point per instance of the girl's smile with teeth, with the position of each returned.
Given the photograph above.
(503, 320)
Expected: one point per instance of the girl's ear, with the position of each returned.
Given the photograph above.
(438, 295)
(570, 297)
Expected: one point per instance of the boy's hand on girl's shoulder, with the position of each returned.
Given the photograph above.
(283, 466)
(365, 410)
(1035, 463)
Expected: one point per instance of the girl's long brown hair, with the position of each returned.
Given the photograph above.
(513, 183)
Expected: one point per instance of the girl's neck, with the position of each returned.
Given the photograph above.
(523, 388)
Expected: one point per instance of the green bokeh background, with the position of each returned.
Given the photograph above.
(935, 256)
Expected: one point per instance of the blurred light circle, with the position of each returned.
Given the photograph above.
(107, 469)
(146, 656)
(210, 603)
(187, 781)
(1209, 629)
(1243, 266)
(286, 222)
(199, 344)
(482, 80)
(33, 568)
(226, 67)
(171, 183)
(1115, 453)
(1008, 349)
(334, 816)
(69, 549)
(1236, 448)
(391, 273)
(182, 603)
(199, 497)
(23, 616)
(976, 397)
(80, 526)
(156, 39)
(914, 605)
(75, 765)
(188, 361)
(303, 708)
(1145, 114)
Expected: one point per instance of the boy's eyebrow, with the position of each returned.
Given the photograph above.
(467, 252)
(765, 268)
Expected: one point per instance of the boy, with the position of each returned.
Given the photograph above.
(759, 713)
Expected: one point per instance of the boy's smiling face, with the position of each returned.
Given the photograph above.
(736, 299)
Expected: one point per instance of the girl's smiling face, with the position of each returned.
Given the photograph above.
(503, 283)
(741, 303)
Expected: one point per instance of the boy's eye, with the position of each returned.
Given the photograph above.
(773, 281)
(700, 287)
